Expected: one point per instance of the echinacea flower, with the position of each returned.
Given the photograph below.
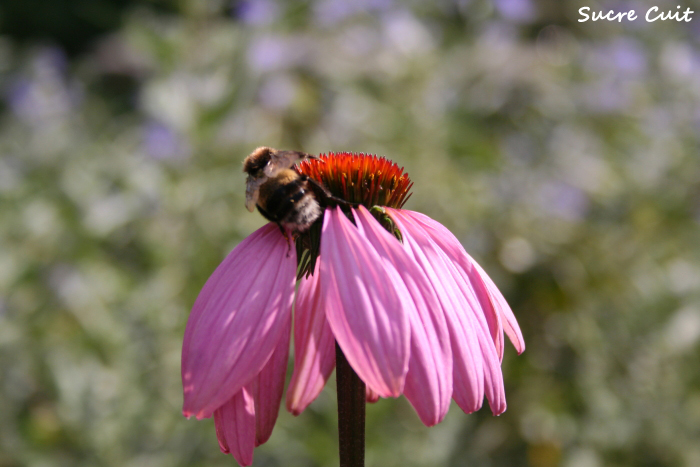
(411, 311)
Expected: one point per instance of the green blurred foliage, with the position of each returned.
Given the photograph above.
(564, 155)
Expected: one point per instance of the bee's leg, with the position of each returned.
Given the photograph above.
(290, 158)
(289, 239)
(322, 191)
(284, 231)
(342, 202)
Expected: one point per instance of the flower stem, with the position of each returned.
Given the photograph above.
(351, 412)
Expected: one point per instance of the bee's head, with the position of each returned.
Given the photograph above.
(254, 165)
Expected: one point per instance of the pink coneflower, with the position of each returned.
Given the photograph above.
(409, 309)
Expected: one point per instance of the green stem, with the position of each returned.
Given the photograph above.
(351, 412)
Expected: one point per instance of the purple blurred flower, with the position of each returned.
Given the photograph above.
(42, 93)
(518, 11)
(606, 96)
(162, 142)
(258, 12)
(333, 11)
(271, 53)
(622, 57)
(563, 200)
(17, 94)
(330, 12)
(406, 33)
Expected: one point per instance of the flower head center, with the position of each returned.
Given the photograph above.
(360, 178)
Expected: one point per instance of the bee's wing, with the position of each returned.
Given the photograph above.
(252, 191)
(283, 160)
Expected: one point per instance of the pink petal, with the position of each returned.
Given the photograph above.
(237, 320)
(429, 378)
(467, 361)
(269, 386)
(235, 426)
(510, 324)
(362, 306)
(370, 396)
(476, 363)
(314, 345)
(444, 238)
(493, 377)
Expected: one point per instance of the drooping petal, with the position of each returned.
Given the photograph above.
(480, 291)
(449, 243)
(467, 361)
(362, 306)
(476, 363)
(510, 324)
(429, 379)
(235, 426)
(314, 345)
(470, 308)
(370, 396)
(269, 386)
(237, 320)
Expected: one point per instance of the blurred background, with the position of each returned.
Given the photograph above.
(564, 155)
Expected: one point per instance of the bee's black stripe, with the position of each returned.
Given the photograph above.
(281, 202)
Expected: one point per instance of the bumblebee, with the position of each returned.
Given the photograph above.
(281, 194)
